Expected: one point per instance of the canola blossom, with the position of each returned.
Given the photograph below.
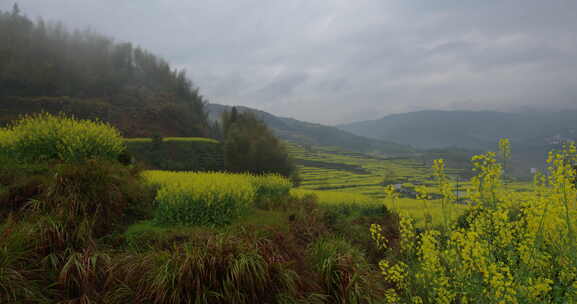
(44, 136)
(512, 248)
(210, 198)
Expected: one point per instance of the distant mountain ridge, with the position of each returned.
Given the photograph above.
(469, 129)
(532, 134)
(306, 133)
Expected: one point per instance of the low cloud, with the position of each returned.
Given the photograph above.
(333, 61)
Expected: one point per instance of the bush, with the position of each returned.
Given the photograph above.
(45, 137)
(251, 147)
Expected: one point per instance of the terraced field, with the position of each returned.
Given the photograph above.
(327, 168)
(328, 171)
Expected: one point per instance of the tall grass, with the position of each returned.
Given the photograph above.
(343, 271)
(18, 277)
(220, 269)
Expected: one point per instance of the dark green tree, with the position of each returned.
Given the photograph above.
(251, 147)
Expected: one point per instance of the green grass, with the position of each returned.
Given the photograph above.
(257, 219)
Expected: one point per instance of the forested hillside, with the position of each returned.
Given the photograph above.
(46, 67)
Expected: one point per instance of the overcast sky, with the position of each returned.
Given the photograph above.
(335, 61)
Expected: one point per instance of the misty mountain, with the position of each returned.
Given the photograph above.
(306, 133)
(470, 129)
(46, 67)
(445, 133)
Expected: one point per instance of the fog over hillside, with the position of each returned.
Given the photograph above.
(343, 61)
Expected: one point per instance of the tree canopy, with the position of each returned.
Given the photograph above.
(250, 146)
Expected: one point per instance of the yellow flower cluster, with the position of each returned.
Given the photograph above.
(209, 198)
(445, 190)
(392, 194)
(513, 248)
(46, 137)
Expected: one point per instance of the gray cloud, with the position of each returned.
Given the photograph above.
(336, 61)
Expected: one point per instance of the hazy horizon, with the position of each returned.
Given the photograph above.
(340, 61)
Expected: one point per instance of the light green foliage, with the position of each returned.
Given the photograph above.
(6, 142)
(48, 137)
(190, 198)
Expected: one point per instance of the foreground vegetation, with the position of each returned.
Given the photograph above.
(77, 225)
(89, 229)
(508, 248)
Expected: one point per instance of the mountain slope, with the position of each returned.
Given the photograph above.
(469, 129)
(306, 133)
(532, 134)
(45, 67)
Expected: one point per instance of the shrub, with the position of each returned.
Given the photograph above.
(44, 136)
(251, 147)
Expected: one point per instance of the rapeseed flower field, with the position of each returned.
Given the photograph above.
(210, 198)
(510, 248)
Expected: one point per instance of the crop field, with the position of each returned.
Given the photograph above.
(210, 198)
(326, 168)
(340, 177)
